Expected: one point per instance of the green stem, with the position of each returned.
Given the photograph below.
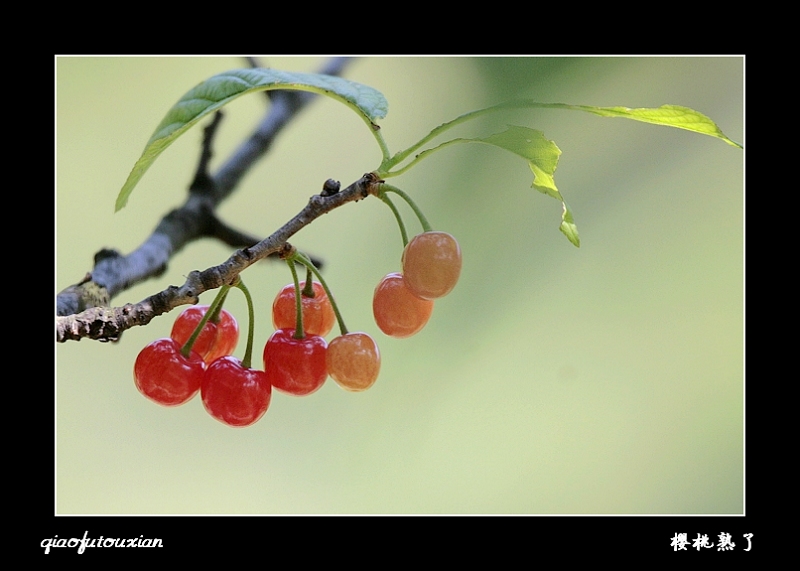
(376, 132)
(306, 261)
(248, 354)
(426, 226)
(214, 316)
(424, 154)
(215, 305)
(308, 290)
(299, 333)
(397, 216)
(402, 155)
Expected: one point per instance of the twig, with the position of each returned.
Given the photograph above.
(114, 272)
(106, 324)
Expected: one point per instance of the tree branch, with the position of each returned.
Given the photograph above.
(114, 272)
(106, 324)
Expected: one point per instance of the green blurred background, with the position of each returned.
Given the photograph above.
(605, 379)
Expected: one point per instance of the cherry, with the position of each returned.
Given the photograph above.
(164, 375)
(353, 361)
(185, 325)
(233, 394)
(432, 264)
(215, 340)
(295, 366)
(318, 315)
(398, 312)
(227, 337)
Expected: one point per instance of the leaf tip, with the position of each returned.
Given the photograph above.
(568, 226)
(570, 230)
(122, 197)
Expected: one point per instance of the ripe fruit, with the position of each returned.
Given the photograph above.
(398, 312)
(185, 325)
(432, 264)
(215, 340)
(353, 361)
(227, 337)
(235, 395)
(295, 366)
(165, 376)
(318, 316)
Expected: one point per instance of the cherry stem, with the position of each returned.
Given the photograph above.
(397, 216)
(426, 226)
(214, 315)
(306, 261)
(214, 308)
(248, 354)
(298, 303)
(308, 290)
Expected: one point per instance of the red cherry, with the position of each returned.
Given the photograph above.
(215, 340)
(318, 316)
(398, 312)
(227, 337)
(233, 394)
(432, 264)
(185, 325)
(165, 376)
(353, 361)
(295, 366)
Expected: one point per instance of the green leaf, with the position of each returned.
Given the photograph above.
(666, 115)
(542, 155)
(218, 91)
(568, 227)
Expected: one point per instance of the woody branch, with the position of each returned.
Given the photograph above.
(106, 324)
(113, 272)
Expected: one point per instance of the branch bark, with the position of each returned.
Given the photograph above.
(106, 324)
(114, 272)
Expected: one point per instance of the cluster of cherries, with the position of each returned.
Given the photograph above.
(297, 360)
(403, 301)
(299, 365)
(172, 370)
